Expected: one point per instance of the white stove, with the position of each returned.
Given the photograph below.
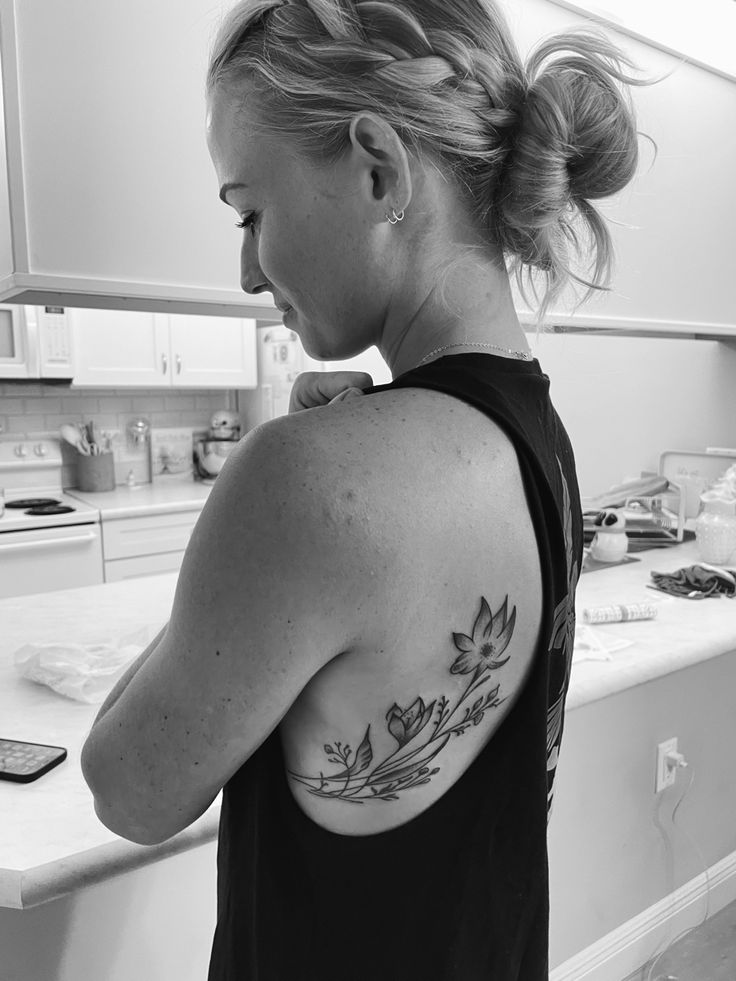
(48, 540)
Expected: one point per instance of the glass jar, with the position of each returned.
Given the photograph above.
(715, 529)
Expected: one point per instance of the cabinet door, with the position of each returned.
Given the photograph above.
(111, 189)
(142, 565)
(149, 534)
(119, 348)
(212, 352)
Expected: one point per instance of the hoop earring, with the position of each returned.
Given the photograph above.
(393, 218)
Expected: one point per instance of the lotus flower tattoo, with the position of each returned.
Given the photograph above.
(490, 638)
(358, 779)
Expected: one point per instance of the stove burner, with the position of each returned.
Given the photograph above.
(54, 508)
(32, 502)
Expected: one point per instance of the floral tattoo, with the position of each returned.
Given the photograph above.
(359, 778)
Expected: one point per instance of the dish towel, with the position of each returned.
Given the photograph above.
(697, 581)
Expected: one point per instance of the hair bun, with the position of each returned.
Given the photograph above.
(575, 141)
(582, 114)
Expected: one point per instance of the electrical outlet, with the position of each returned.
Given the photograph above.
(665, 774)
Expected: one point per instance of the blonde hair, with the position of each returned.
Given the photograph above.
(530, 145)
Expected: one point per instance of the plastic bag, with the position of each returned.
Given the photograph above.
(84, 672)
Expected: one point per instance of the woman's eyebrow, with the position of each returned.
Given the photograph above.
(226, 188)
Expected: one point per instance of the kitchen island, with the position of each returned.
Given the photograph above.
(80, 902)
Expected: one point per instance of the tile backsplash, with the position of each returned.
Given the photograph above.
(35, 408)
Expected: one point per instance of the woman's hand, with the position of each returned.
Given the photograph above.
(313, 388)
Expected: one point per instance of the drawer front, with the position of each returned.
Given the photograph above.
(149, 535)
(142, 565)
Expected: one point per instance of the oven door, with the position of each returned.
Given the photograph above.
(44, 559)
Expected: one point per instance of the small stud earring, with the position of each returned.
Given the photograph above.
(393, 218)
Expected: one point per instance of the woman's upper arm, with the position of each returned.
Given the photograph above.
(262, 603)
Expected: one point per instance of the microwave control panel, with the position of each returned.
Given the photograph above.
(55, 341)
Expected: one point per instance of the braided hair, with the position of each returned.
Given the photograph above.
(530, 146)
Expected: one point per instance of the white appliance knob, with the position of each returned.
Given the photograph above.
(21, 450)
(40, 449)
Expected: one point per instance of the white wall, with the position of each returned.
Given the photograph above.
(624, 400)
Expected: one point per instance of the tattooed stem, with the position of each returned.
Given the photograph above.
(474, 683)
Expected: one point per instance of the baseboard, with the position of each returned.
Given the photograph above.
(625, 949)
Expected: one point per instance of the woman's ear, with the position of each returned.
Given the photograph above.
(382, 161)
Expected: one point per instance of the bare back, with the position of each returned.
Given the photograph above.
(445, 640)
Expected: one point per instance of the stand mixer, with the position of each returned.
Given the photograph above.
(224, 435)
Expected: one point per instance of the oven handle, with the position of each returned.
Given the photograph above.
(48, 543)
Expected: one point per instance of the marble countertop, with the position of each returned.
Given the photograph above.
(52, 842)
(165, 496)
(685, 632)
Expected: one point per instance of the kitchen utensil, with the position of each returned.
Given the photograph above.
(71, 435)
(82, 430)
(91, 438)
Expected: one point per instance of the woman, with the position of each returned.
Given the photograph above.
(370, 642)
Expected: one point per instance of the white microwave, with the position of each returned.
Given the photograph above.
(35, 342)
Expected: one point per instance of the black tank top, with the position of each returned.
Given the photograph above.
(460, 892)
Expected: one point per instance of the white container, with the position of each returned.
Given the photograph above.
(715, 529)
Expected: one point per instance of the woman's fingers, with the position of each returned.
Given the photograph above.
(313, 388)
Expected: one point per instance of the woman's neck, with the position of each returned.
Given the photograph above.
(471, 304)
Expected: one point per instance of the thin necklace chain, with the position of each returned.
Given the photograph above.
(522, 355)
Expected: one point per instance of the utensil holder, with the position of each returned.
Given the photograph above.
(96, 473)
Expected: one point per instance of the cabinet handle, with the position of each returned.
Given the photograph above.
(178, 364)
(164, 364)
(48, 543)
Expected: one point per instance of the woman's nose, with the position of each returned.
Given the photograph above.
(252, 279)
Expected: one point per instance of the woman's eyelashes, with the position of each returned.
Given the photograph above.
(248, 221)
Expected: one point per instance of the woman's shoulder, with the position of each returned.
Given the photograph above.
(398, 449)
(397, 420)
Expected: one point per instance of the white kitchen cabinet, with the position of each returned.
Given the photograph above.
(212, 352)
(142, 565)
(110, 198)
(146, 545)
(153, 350)
(672, 226)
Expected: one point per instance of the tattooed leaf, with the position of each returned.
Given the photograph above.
(363, 754)
(477, 704)
(328, 748)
